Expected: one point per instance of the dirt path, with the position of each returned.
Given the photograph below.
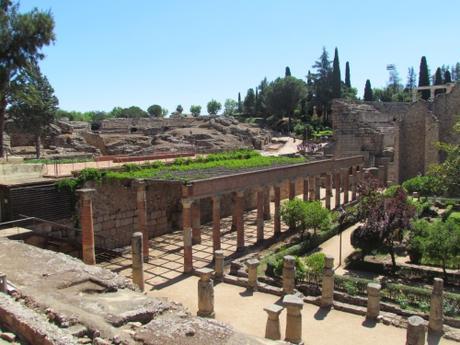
(244, 311)
(332, 247)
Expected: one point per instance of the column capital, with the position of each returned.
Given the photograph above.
(86, 193)
(187, 203)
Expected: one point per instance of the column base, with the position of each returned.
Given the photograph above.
(211, 315)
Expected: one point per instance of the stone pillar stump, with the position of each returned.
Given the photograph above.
(294, 307)
(137, 260)
(239, 205)
(216, 222)
(196, 222)
(272, 330)
(327, 288)
(373, 301)
(141, 195)
(415, 331)
(219, 261)
(252, 265)
(436, 314)
(288, 274)
(187, 234)
(267, 215)
(205, 293)
(260, 215)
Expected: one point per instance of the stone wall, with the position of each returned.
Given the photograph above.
(400, 136)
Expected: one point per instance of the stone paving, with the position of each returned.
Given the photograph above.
(165, 266)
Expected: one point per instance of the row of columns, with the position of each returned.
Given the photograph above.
(311, 191)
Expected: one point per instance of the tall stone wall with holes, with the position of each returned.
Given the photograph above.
(400, 136)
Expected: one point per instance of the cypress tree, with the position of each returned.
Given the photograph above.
(447, 77)
(368, 94)
(347, 75)
(287, 73)
(424, 77)
(240, 106)
(438, 77)
(336, 79)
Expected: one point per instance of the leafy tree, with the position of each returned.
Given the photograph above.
(347, 75)
(213, 107)
(424, 77)
(411, 79)
(230, 107)
(179, 109)
(133, 112)
(249, 102)
(336, 81)
(316, 216)
(385, 224)
(293, 214)
(240, 105)
(155, 111)
(447, 77)
(283, 95)
(287, 72)
(448, 172)
(22, 35)
(443, 242)
(368, 94)
(33, 105)
(195, 110)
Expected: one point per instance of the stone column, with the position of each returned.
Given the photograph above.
(327, 181)
(337, 189)
(327, 288)
(317, 188)
(187, 234)
(345, 185)
(260, 215)
(138, 260)
(288, 274)
(87, 228)
(234, 213)
(436, 315)
(142, 217)
(196, 222)
(354, 184)
(305, 189)
(205, 293)
(216, 222)
(277, 215)
(267, 214)
(373, 301)
(272, 330)
(239, 205)
(415, 331)
(292, 192)
(219, 261)
(252, 265)
(311, 188)
(294, 307)
(3, 283)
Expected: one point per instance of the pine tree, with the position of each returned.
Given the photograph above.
(249, 102)
(411, 79)
(447, 77)
(256, 103)
(347, 75)
(438, 77)
(240, 106)
(336, 78)
(287, 73)
(368, 94)
(424, 77)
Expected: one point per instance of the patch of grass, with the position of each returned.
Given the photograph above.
(234, 160)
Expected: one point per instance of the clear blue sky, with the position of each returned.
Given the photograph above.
(141, 52)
